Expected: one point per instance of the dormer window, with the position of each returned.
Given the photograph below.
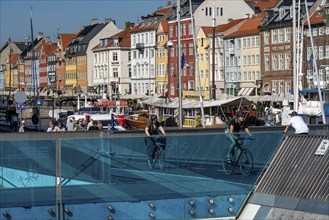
(281, 13)
(116, 43)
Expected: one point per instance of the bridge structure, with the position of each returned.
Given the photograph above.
(104, 175)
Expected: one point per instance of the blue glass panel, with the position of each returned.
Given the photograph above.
(27, 173)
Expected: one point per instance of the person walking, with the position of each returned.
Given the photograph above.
(22, 127)
(297, 123)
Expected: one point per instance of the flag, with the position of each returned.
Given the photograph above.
(183, 62)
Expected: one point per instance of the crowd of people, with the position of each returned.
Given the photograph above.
(75, 125)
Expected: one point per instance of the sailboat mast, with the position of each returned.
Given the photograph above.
(179, 65)
(314, 64)
(197, 64)
(295, 82)
(213, 87)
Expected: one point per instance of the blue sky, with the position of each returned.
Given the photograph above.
(66, 16)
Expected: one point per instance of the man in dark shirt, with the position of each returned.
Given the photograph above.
(234, 127)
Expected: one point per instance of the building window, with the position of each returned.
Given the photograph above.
(274, 62)
(115, 72)
(171, 31)
(287, 61)
(266, 37)
(321, 53)
(191, 49)
(115, 56)
(274, 36)
(267, 62)
(280, 36)
(281, 62)
(190, 31)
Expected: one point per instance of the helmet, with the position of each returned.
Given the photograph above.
(154, 117)
(240, 114)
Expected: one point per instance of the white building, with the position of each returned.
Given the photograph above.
(112, 64)
(108, 30)
(143, 44)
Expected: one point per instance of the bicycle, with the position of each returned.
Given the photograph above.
(159, 152)
(243, 159)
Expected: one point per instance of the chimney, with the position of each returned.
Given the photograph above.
(40, 35)
(247, 15)
(107, 20)
(94, 21)
(47, 39)
(129, 25)
(230, 19)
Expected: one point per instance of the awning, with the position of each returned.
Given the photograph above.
(241, 91)
(247, 91)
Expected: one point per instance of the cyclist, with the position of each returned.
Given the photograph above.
(152, 128)
(234, 127)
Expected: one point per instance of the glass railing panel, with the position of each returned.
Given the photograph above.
(116, 169)
(27, 173)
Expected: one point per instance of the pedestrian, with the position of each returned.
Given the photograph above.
(80, 126)
(90, 123)
(70, 125)
(297, 123)
(93, 127)
(59, 128)
(99, 125)
(51, 127)
(22, 127)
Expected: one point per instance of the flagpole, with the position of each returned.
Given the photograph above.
(179, 65)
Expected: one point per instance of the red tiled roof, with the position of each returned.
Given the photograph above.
(315, 17)
(248, 26)
(145, 25)
(66, 39)
(163, 11)
(227, 26)
(263, 5)
(165, 26)
(50, 48)
(124, 42)
(207, 30)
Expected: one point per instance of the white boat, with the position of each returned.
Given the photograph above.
(106, 120)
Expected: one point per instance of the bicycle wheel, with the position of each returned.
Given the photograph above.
(246, 163)
(161, 159)
(228, 166)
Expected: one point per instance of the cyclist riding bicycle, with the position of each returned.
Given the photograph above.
(234, 127)
(152, 128)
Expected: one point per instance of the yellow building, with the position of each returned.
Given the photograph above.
(70, 74)
(203, 44)
(161, 78)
